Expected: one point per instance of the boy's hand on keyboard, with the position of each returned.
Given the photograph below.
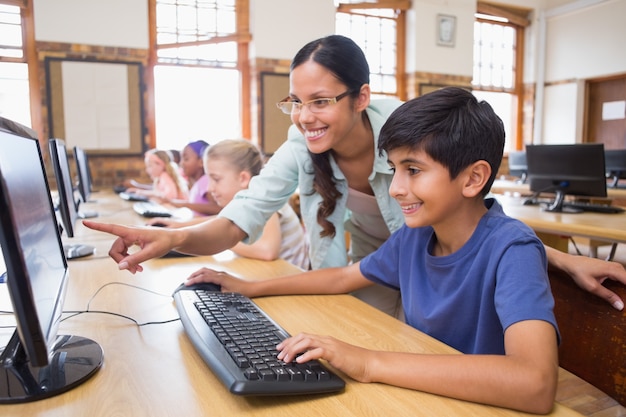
(354, 361)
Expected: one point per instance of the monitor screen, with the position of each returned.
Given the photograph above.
(576, 169)
(518, 167)
(615, 160)
(67, 203)
(37, 363)
(84, 177)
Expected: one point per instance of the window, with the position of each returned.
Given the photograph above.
(498, 57)
(378, 28)
(197, 87)
(14, 86)
(197, 32)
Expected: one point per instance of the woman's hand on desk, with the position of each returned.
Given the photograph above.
(152, 241)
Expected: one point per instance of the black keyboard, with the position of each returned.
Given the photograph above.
(132, 196)
(149, 209)
(238, 342)
(593, 207)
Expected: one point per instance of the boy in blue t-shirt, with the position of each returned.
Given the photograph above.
(469, 275)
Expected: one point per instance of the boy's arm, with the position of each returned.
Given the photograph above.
(320, 281)
(524, 378)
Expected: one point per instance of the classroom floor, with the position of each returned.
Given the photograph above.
(572, 391)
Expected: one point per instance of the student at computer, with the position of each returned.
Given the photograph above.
(231, 164)
(330, 156)
(199, 199)
(166, 182)
(468, 274)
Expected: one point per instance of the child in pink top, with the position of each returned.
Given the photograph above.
(199, 199)
(166, 182)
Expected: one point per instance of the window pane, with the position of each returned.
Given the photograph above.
(188, 21)
(494, 55)
(504, 104)
(10, 32)
(376, 35)
(195, 103)
(14, 96)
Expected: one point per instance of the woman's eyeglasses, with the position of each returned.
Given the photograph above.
(319, 105)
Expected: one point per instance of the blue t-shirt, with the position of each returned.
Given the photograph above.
(467, 299)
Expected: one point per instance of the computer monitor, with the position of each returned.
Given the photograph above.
(84, 180)
(576, 169)
(67, 203)
(84, 175)
(615, 161)
(37, 362)
(518, 167)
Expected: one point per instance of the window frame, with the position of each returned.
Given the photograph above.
(400, 8)
(241, 36)
(516, 18)
(29, 57)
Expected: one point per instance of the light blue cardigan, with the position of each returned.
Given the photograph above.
(290, 169)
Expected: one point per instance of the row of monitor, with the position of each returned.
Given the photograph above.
(37, 362)
(578, 169)
(614, 163)
(68, 204)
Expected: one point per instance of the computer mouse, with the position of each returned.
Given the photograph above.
(205, 286)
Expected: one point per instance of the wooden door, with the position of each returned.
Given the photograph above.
(604, 97)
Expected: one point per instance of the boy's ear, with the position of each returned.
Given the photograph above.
(477, 176)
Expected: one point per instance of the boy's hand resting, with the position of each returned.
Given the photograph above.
(349, 359)
(228, 282)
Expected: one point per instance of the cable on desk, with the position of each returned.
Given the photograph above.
(87, 310)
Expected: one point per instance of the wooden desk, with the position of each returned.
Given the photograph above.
(617, 195)
(155, 371)
(599, 227)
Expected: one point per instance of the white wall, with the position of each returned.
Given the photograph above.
(584, 40)
(281, 27)
(587, 43)
(423, 53)
(121, 23)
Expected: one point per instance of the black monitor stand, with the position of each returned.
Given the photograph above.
(557, 205)
(73, 361)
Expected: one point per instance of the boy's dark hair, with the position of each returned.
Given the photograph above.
(343, 57)
(451, 126)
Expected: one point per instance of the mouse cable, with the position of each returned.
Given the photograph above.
(78, 313)
(88, 309)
